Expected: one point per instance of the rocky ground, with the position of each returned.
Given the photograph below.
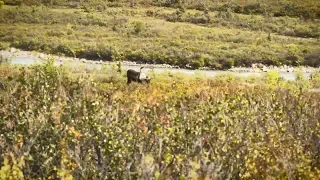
(16, 53)
(13, 53)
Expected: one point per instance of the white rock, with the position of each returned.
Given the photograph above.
(264, 69)
(12, 50)
(290, 69)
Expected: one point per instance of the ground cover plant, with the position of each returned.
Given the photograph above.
(294, 8)
(218, 37)
(59, 123)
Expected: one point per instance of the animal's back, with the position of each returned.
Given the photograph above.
(135, 76)
(132, 75)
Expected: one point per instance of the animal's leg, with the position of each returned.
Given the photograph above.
(129, 81)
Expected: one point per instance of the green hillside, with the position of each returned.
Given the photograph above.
(216, 34)
(74, 122)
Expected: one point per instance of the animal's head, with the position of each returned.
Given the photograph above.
(147, 80)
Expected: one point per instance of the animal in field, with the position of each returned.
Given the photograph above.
(134, 76)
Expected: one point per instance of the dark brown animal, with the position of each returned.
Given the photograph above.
(134, 76)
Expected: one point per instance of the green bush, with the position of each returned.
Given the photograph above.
(13, 2)
(197, 63)
(225, 77)
(301, 81)
(90, 6)
(174, 17)
(197, 18)
(315, 79)
(295, 10)
(225, 15)
(272, 78)
(167, 3)
(4, 45)
(256, 8)
(1, 4)
(228, 63)
(4, 60)
(233, 7)
(312, 59)
(138, 27)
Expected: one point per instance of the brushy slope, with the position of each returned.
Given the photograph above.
(295, 8)
(57, 125)
(217, 39)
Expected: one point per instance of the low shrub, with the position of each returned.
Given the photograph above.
(256, 8)
(13, 2)
(4, 60)
(4, 45)
(1, 4)
(272, 78)
(312, 59)
(138, 27)
(197, 63)
(56, 124)
(315, 79)
(233, 7)
(228, 63)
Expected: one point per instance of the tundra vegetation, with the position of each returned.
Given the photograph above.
(211, 33)
(63, 123)
(74, 123)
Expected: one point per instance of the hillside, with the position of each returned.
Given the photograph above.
(215, 35)
(68, 118)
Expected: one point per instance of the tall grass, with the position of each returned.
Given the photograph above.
(54, 126)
